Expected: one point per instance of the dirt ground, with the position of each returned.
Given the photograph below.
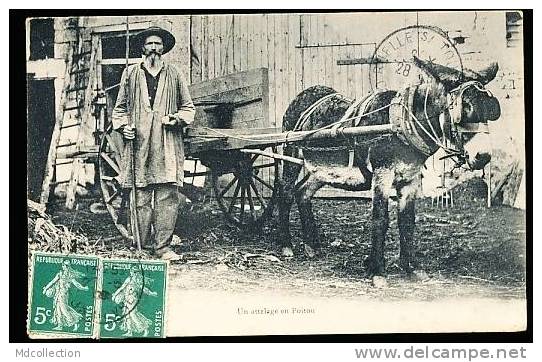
(468, 251)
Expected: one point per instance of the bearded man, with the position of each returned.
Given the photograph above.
(152, 106)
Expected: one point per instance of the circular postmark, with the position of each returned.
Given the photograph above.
(392, 64)
(131, 282)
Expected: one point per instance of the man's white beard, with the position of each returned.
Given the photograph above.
(153, 59)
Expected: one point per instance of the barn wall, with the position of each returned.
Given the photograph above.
(225, 44)
(301, 50)
(298, 48)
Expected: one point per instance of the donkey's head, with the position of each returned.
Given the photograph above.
(470, 105)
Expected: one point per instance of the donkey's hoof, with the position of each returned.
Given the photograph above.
(287, 252)
(419, 276)
(379, 281)
(309, 251)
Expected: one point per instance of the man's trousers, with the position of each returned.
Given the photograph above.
(162, 215)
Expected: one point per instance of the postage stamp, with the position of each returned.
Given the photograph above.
(62, 294)
(133, 299)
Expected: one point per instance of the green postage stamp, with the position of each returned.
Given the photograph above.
(63, 295)
(85, 296)
(133, 298)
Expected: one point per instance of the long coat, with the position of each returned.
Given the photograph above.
(159, 151)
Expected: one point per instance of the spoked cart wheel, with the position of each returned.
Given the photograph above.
(245, 187)
(109, 161)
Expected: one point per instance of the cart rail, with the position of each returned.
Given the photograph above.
(204, 139)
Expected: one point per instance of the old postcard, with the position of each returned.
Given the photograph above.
(276, 174)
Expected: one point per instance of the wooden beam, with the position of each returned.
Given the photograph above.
(121, 27)
(278, 156)
(330, 45)
(367, 60)
(193, 147)
(218, 133)
(85, 151)
(222, 141)
(298, 136)
(238, 95)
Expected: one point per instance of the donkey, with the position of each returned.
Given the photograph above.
(427, 116)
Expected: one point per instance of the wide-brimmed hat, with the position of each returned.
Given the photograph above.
(167, 38)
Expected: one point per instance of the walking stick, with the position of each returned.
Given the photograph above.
(133, 200)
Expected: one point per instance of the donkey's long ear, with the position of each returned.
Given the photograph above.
(484, 75)
(449, 77)
(427, 68)
(489, 73)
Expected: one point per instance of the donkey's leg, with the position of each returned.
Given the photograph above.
(381, 186)
(285, 199)
(308, 223)
(406, 197)
(362, 162)
(368, 176)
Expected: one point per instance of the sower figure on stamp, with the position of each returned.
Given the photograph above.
(129, 295)
(58, 289)
(154, 98)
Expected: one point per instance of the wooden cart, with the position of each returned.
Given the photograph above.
(231, 136)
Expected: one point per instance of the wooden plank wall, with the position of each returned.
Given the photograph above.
(299, 50)
(225, 44)
(322, 44)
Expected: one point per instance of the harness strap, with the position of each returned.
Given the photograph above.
(307, 113)
(358, 108)
(455, 98)
(401, 116)
(351, 153)
(455, 107)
